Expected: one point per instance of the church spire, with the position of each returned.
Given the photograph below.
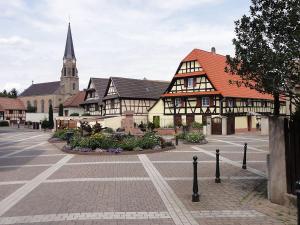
(69, 49)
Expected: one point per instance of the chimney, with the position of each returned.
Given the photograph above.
(213, 50)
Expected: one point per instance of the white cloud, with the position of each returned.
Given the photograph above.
(130, 38)
(14, 40)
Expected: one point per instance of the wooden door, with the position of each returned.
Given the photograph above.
(177, 120)
(249, 123)
(190, 118)
(230, 124)
(216, 125)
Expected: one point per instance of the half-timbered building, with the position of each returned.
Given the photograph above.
(126, 95)
(201, 88)
(93, 100)
(12, 110)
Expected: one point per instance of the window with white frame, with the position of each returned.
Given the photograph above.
(205, 101)
(190, 82)
(230, 103)
(177, 102)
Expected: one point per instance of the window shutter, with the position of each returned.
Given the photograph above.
(182, 102)
(194, 81)
(185, 82)
(199, 102)
(211, 101)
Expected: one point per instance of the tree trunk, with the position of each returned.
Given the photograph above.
(276, 104)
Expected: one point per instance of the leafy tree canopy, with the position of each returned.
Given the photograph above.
(13, 93)
(267, 49)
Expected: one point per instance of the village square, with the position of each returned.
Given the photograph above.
(216, 142)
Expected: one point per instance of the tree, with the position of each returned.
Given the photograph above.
(61, 110)
(13, 93)
(267, 49)
(50, 123)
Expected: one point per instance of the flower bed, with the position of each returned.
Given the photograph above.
(114, 143)
(192, 138)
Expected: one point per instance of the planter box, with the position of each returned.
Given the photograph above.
(165, 131)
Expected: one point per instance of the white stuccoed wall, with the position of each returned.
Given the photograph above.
(38, 117)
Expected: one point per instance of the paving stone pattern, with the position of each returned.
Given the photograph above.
(39, 184)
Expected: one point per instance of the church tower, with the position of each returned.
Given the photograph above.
(69, 80)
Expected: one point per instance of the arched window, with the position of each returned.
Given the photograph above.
(35, 104)
(65, 71)
(28, 104)
(49, 102)
(73, 86)
(42, 106)
(73, 71)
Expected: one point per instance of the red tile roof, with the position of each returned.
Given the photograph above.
(179, 94)
(75, 100)
(11, 103)
(214, 64)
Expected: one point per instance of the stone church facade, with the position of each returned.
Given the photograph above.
(42, 95)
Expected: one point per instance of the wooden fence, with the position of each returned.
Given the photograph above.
(292, 153)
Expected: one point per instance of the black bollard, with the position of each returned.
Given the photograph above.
(218, 179)
(245, 157)
(176, 140)
(195, 196)
(298, 199)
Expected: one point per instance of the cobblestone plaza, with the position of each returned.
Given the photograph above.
(39, 184)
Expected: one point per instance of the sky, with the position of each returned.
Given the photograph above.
(128, 38)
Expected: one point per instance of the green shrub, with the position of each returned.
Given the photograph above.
(60, 134)
(197, 125)
(109, 130)
(149, 140)
(4, 123)
(75, 141)
(74, 114)
(45, 124)
(150, 126)
(142, 126)
(97, 128)
(85, 114)
(194, 137)
(129, 143)
(181, 136)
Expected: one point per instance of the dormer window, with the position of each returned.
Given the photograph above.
(189, 67)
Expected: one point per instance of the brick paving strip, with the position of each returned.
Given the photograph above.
(125, 216)
(104, 179)
(20, 140)
(22, 150)
(104, 162)
(205, 161)
(255, 139)
(30, 156)
(176, 209)
(240, 145)
(234, 152)
(226, 214)
(234, 163)
(15, 197)
(30, 165)
(213, 178)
